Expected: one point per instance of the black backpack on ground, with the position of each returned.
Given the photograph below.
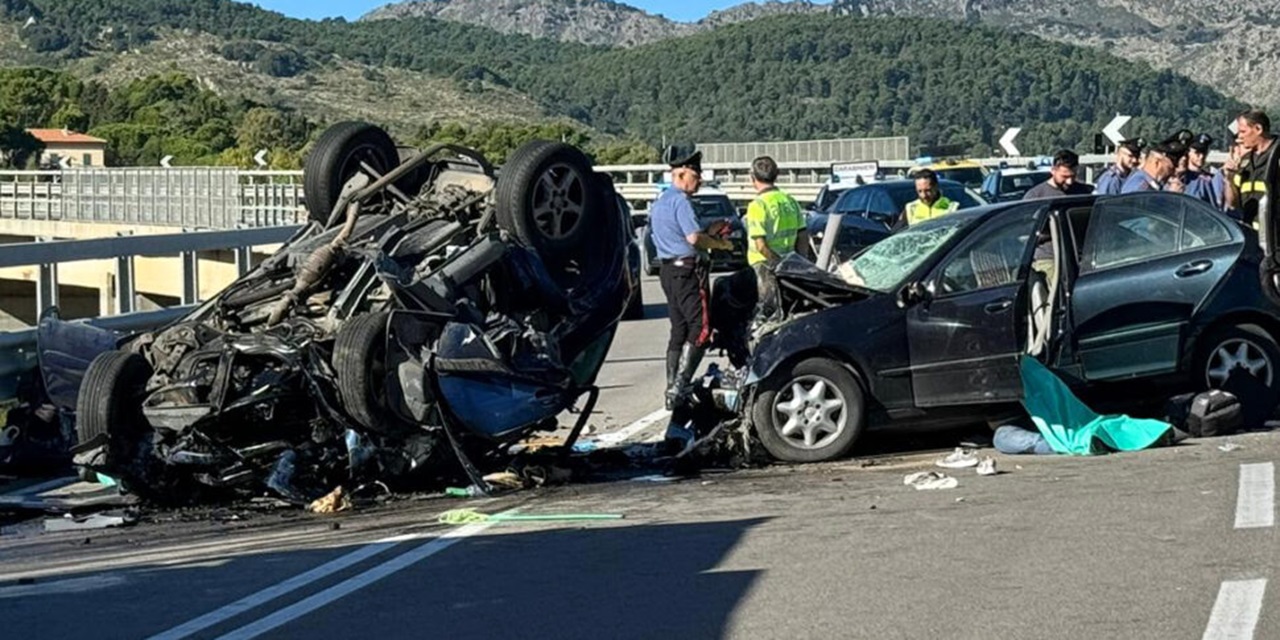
(1207, 414)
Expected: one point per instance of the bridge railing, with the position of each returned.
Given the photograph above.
(228, 198)
(18, 348)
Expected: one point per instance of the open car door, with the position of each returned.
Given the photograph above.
(967, 334)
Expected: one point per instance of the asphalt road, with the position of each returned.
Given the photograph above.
(1167, 543)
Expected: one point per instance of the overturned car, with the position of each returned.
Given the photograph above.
(430, 311)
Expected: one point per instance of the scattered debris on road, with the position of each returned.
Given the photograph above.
(930, 480)
(93, 521)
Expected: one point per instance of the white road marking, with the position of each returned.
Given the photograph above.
(56, 483)
(625, 433)
(60, 587)
(1235, 613)
(1256, 499)
(275, 591)
(354, 583)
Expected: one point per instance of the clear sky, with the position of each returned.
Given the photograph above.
(683, 10)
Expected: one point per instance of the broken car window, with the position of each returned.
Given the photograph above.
(884, 265)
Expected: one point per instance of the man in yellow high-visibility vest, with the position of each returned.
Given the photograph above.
(775, 229)
(931, 203)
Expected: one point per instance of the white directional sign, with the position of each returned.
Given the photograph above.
(64, 162)
(164, 162)
(261, 157)
(1112, 130)
(1006, 141)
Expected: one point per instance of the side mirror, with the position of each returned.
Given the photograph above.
(913, 293)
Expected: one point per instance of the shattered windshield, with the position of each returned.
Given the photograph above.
(884, 265)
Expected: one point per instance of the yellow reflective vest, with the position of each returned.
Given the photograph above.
(919, 212)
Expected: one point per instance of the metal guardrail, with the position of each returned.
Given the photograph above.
(18, 348)
(125, 248)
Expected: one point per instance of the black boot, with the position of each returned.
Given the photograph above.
(673, 365)
(678, 392)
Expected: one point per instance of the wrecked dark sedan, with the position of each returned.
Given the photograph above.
(429, 312)
(1123, 297)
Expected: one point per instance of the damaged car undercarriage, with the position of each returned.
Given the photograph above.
(430, 311)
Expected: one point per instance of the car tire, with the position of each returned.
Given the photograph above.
(546, 197)
(833, 429)
(1221, 348)
(359, 362)
(110, 400)
(336, 158)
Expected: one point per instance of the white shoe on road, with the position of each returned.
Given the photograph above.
(959, 459)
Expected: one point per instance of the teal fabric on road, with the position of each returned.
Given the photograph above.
(1073, 428)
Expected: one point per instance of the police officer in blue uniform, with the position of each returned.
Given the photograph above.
(1196, 181)
(685, 266)
(1157, 169)
(1127, 155)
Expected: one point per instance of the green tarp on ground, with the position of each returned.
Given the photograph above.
(1070, 426)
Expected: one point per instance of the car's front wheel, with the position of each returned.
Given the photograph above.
(810, 411)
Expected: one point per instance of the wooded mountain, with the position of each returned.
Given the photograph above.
(1229, 44)
(776, 78)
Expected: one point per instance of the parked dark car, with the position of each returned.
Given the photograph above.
(1124, 297)
(1007, 185)
(872, 211)
(711, 207)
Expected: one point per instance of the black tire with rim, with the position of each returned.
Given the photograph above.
(1245, 346)
(360, 363)
(546, 197)
(809, 411)
(110, 401)
(336, 157)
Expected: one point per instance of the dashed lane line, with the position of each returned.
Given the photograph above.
(1255, 501)
(1235, 613)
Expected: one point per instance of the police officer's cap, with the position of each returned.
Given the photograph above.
(1202, 143)
(682, 155)
(1134, 145)
(1171, 148)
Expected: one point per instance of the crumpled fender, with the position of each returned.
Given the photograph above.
(808, 334)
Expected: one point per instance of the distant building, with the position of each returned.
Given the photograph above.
(79, 149)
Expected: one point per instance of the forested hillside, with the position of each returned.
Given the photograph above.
(786, 77)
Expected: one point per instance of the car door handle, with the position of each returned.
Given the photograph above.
(1193, 268)
(998, 306)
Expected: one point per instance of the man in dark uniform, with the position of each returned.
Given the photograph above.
(1062, 179)
(680, 242)
(1127, 155)
(1253, 181)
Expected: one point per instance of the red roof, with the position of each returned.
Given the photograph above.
(64, 136)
